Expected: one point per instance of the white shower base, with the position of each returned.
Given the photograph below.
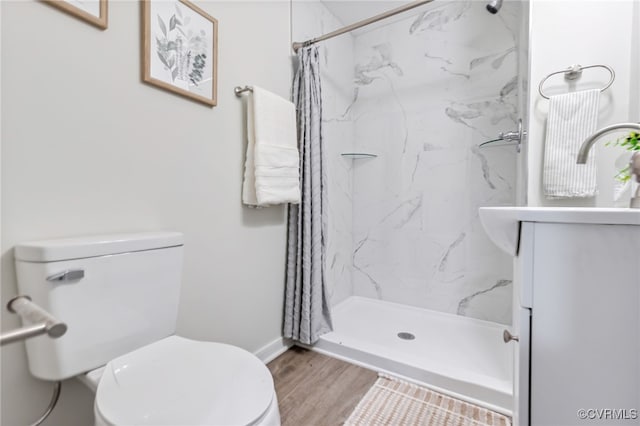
(463, 357)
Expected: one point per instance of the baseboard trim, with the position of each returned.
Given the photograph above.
(272, 350)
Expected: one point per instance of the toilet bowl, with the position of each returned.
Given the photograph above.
(177, 381)
(118, 295)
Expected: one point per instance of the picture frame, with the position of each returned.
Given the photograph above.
(95, 12)
(180, 49)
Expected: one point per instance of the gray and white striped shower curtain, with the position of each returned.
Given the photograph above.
(307, 315)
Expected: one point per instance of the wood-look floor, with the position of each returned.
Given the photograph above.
(317, 390)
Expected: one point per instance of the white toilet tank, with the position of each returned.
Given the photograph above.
(120, 292)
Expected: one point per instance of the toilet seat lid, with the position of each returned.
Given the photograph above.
(177, 381)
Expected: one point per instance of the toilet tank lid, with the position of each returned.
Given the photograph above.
(95, 245)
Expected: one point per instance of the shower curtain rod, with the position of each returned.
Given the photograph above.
(297, 45)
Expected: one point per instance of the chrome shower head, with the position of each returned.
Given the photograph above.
(494, 6)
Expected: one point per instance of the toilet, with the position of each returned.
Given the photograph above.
(118, 295)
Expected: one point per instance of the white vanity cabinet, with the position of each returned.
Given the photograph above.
(576, 313)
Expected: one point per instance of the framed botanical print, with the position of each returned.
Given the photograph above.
(180, 49)
(94, 12)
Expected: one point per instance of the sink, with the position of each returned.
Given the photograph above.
(502, 224)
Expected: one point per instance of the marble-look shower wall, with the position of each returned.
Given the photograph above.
(311, 19)
(429, 90)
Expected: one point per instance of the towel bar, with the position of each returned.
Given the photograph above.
(240, 90)
(574, 72)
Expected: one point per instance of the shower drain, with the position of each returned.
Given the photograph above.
(406, 336)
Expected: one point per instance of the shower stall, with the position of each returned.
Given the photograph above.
(412, 109)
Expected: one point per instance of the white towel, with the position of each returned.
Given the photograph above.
(271, 174)
(572, 118)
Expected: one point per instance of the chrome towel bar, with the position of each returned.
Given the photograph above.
(574, 72)
(240, 90)
(41, 321)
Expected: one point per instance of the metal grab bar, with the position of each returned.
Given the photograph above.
(42, 321)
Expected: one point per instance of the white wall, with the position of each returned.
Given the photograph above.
(87, 148)
(1, 393)
(634, 99)
(570, 32)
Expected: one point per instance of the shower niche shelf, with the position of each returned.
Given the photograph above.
(358, 155)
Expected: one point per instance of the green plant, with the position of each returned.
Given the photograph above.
(630, 143)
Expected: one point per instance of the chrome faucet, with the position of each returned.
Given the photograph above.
(635, 158)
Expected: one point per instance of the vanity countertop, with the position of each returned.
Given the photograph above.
(502, 224)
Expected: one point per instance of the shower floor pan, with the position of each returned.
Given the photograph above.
(462, 357)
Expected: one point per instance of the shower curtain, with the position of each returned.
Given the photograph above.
(307, 314)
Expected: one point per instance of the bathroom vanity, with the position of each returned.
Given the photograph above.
(576, 313)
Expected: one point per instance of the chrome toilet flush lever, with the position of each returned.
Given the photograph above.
(67, 276)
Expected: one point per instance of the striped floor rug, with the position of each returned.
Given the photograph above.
(391, 401)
